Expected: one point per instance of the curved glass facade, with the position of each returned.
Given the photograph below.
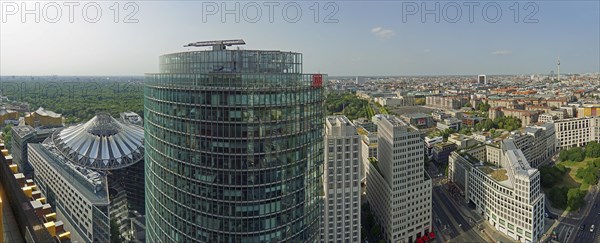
(233, 142)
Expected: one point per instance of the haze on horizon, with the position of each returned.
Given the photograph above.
(381, 38)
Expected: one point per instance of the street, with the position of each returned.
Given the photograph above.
(449, 221)
(592, 218)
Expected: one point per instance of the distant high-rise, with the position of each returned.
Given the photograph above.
(342, 181)
(398, 188)
(234, 147)
(482, 79)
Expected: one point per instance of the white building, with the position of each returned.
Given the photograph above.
(546, 118)
(509, 196)
(577, 131)
(369, 149)
(429, 142)
(482, 79)
(398, 188)
(341, 181)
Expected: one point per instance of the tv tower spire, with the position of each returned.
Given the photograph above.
(558, 69)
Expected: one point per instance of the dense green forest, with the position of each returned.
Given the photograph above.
(349, 105)
(79, 101)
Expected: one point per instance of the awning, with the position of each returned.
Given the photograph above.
(431, 235)
(425, 238)
(419, 240)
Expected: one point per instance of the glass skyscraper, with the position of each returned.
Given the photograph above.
(234, 147)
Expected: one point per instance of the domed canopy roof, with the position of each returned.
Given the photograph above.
(101, 143)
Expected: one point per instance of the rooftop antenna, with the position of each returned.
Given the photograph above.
(217, 44)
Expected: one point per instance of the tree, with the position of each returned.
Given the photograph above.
(573, 154)
(592, 149)
(483, 106)
(115, 236)
(7, 136)
(558, 197)
(348, 104)
(376, 230)
(576, 154)
(575, 198)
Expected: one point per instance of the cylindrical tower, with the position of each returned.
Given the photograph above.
(233, 142)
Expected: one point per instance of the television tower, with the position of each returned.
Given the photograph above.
(558, 69)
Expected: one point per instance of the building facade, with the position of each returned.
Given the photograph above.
(341, 181)
(8, 116)
(576, 131)
(234, 147)
(399, 190)
(509, 195)
(21, 136)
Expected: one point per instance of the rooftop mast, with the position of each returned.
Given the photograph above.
(217, 44)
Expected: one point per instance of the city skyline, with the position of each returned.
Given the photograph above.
(382, 38)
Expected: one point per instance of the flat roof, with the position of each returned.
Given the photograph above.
(75, 175)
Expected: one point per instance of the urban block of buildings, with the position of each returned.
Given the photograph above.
(93, 173)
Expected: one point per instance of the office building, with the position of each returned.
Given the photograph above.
(441, 152)
(21, 136)
(93, 174)
(399, 189)
(368, 147)
(234, 147)
(508, 195)
(429, 142)
(341, 181)
(446, 102)
(450, 123)
(538, 143)
(419, 120)
(576, 132)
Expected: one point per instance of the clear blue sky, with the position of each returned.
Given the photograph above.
(370, 38)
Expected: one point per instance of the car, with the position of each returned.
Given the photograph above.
(592, 228)
(581, 227)
(546, 215)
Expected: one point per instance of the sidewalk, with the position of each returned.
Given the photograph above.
(493, 234)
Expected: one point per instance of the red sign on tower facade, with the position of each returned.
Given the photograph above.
(317, 80)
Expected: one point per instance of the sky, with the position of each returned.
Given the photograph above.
(343, 38)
